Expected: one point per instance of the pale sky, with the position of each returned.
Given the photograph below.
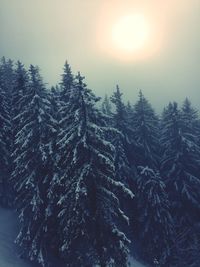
(48, 32)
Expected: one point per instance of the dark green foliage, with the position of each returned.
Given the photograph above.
(88, 208)
(155, 230)
(180, 167)
(32, 175)
(66, 83)
(6, 86)
(106, 106)
(121, 139)
(145, 127)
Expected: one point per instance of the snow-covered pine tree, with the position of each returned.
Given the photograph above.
(4, 147)
(88, 208)
(59, 99)
(132, 146)
(106, 109)
(64, 91)
(145, 127)
(124, 172)
(8, 75)
(180, 167)
(6, 83)
(32, 175)
(54, 96)
(20, 84)
(66, 82)
(19, 90)
(151, 198)
(155, 228)
(190, 119)
(120, 110)
(17, 107)
(129, 113)
(52, 175)
(198, 127)
(180, 161)
(121, 140)
(188, 245)
(106, 106)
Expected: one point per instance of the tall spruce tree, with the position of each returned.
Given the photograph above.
(54, 98)
(106, 106)
(4, 148)
(18, 92)
(151, 197)
(88, 208)
(145, 128)
(66, 82)
(180, 165)
(120, 111)
(155, 230)
(190, 119)
(6, 83)
(124, 171)
(64, 93)
(32, 174)
(7, 76)
(129, 113)
(121, 140)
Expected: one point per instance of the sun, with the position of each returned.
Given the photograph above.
(130, 33)
(127, 34)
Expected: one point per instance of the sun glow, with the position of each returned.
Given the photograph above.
(128, 32)
(131, 33)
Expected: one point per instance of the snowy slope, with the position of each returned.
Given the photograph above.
(9, 251)
(134, 263)
(8, 232)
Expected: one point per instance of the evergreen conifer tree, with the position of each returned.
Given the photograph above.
(32, 174)
(145, 128)
(155, 230)
(4, 148)
(6, 82)
(66, 82)
(180, 165)
(106, 106)
(151, 197)
(88, 208)
(121, 140)
(190, 119)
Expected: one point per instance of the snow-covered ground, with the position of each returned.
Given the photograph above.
(134, 263)
(9, 251)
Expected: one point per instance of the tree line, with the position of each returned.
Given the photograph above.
(93, 183)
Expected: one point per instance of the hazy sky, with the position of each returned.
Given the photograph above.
(48, 32)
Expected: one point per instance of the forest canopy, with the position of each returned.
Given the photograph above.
(95, 181)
